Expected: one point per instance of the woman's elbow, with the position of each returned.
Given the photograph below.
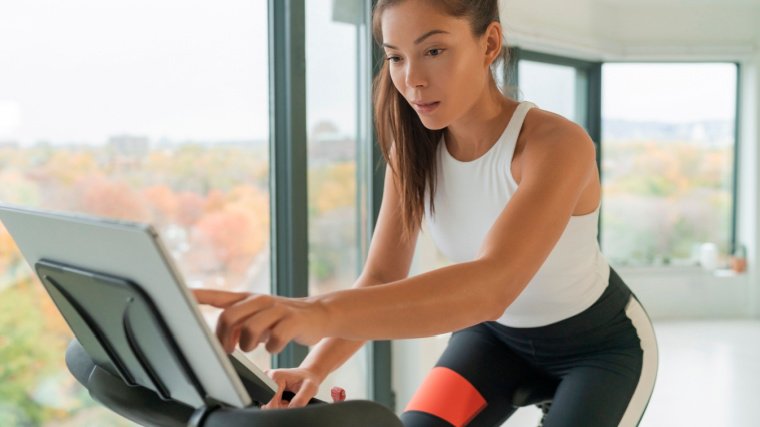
(501, 289)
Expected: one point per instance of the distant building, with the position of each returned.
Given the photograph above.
(328, 145)
(8, 143)
(711, 133)
(331, 149)
(125, 152)
(130, 146)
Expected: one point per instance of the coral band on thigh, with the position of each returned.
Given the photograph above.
(447, 395)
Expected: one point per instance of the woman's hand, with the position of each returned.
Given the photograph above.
(249, 319)
(302, 382)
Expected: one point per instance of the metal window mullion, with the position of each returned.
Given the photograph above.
(594, 122)
(737, 148)
(287, 150)
(512, 72)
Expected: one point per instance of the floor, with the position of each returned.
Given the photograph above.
(709, 376)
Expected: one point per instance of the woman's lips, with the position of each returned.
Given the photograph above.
(425, 107)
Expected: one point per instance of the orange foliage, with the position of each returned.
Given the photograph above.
(190, 207)
(333, 188)
(67, 167)
(215, 200)
(239, 229)
(164, 203)
(8, 250)
(104, 197)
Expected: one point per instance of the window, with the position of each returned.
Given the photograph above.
(332, 114)
(552, 87)
(155, 112)
(562, 85)
(669, 134)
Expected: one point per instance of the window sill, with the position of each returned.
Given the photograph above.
(680, 271)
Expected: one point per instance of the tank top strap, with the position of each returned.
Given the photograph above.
(512, 132)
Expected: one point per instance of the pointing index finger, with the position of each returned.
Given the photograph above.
(219, 299)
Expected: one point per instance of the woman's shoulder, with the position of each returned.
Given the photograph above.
(543, 124)
(544, 129)
(549, 140)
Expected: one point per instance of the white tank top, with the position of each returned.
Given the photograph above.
(471, 195)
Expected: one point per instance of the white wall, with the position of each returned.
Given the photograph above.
(748, 230)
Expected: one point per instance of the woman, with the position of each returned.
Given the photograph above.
(510, 193)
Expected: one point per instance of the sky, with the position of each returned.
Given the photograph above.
(669, 92)
(83, 70)
(639, 91)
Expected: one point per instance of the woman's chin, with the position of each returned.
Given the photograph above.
(432, 124)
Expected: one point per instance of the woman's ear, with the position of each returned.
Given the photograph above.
(493, 42)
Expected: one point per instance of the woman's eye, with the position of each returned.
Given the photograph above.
(393, 59)
(435, 52)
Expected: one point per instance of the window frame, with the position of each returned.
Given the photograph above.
(593, 108)
(287, 154)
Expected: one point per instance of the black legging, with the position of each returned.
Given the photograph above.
(604, 358)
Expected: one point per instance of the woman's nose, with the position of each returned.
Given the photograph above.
(415, 76)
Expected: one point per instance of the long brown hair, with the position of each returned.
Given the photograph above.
(400, 132)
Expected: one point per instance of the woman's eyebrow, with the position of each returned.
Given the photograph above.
(421, 38)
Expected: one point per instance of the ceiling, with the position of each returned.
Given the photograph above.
(679, 2)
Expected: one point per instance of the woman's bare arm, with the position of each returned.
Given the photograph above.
(556, 167)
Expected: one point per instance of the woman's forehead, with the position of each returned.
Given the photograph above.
(407, 23)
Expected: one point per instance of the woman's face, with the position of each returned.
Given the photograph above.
(435, 61)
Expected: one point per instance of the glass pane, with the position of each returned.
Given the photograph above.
(332, 115)
(668, 148)
(552, 87)
(141, 110)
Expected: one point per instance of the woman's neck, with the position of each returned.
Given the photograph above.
(475, 133)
